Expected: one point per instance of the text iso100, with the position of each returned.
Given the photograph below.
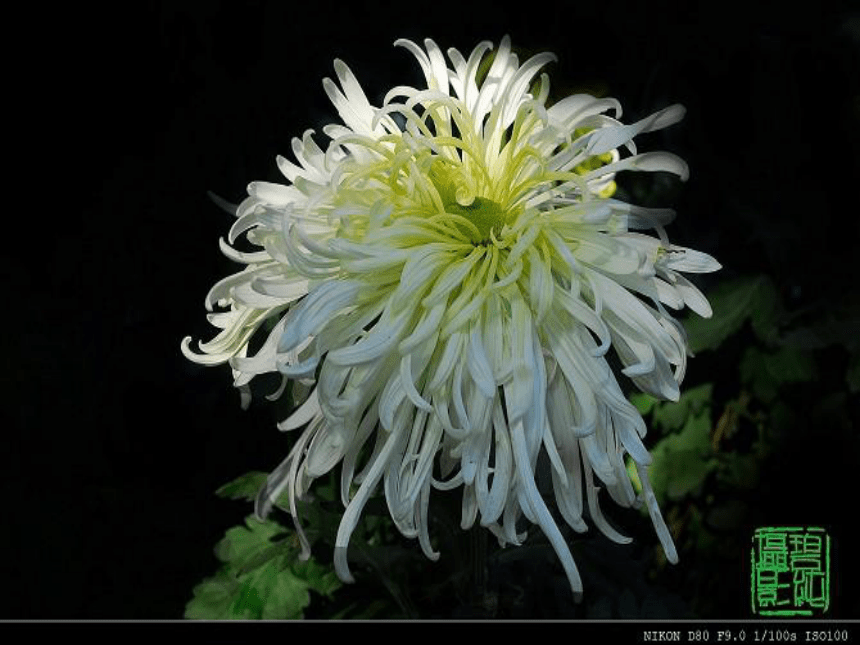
(827, 635)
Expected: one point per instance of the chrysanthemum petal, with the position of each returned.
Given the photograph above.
(606, 139)
(544, 519)
(352, 513)
(316, 309)
(479, 366)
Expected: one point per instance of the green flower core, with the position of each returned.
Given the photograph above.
(459, 200)
(486, 215)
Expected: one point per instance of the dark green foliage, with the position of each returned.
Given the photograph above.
(245, 487)
(764, 372)
(734, 302)
(720, 455)
(683, 458)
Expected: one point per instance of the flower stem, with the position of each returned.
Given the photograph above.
(480, 601)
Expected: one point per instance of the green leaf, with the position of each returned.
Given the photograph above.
(683, 460)
(835, 323)
(280, 590)
(643, 402)
(248, 604)
(284, 596)
(261, 578)
(242, 544)
(212, 598)
(288, 599)
(766, 311)
(791, 365)
(318, 577)
(672, 415)
(245, 487)
(764, 372)
(733, 303)
(756, 376)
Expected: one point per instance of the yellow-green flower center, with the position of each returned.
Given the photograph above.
(486, 215)
(458, 198)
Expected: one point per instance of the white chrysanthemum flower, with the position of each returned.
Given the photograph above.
(446, 279)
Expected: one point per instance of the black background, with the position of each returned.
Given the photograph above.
(130, 115)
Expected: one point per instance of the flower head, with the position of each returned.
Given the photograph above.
(446, 278)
